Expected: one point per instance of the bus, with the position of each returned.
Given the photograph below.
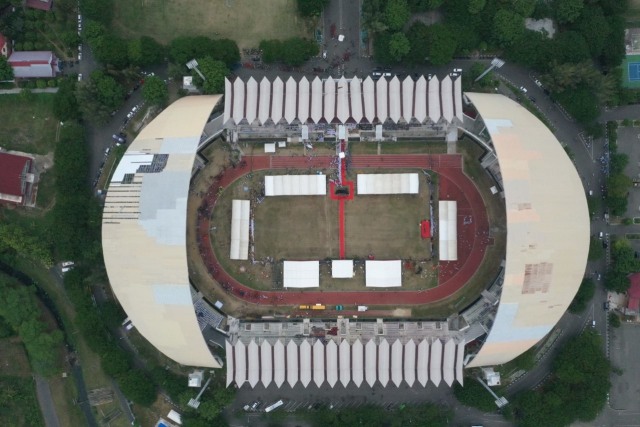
(273, 407)
(318, 307)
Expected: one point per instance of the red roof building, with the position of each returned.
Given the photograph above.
(5, 46)
(16, 180)
(40, 4)
(634, 293)
(34, 64)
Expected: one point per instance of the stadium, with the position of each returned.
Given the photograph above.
(352, 230)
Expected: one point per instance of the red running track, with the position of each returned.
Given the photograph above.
(473, 230)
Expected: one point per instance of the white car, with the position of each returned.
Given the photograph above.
(80, 77)
(67, 264)
(79, 56)
(523, 89)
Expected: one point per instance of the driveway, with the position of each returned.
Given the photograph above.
(45, 400)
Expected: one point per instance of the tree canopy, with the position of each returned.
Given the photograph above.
(155, 91)
(442, 44)
(399, 46)
(294, 51)
(623, 263)
(568, 10)
(507, 26)
(99, 96)
(145, 51)
(65, 106)
(310, 8)
(585, 293)
(214, 73)
(185, 48)
(396, 14)
(6, 72)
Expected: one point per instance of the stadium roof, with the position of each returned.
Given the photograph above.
(547, 229)
(343, 100)
(145, 215)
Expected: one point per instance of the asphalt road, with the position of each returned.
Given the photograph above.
(45, 400)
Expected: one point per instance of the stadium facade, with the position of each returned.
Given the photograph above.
(547, 231)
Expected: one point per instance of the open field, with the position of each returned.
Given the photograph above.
(13, 358)
(28, 124)
(20, 407)
(245, 21)
(633, 13)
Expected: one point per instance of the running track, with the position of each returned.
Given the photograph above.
(473, 230)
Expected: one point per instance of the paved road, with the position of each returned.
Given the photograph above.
(45, 400)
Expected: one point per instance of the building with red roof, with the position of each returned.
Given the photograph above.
(34, 64)
(5, 46)
(39, 4)
(17, 180)
(633, 305)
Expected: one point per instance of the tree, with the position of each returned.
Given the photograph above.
(614, 320)
(185, 48)
(417, 6)
(596, 251)
(581, 103)
(594, 27)
(442, 44)
(6, 72)
(613, 51)
(474, 395)
(311, 8)
(145, 51)
(155, 91)
(296, 50)
(215, 402)
(531, 49)
(585, 293)
(568, 10)
(111, 50)
(396, 14)
(570, 47)
(418, 36)
(399, 46)
(115, 362)
(523, 7)
(381, 49)
(271, 50)
(99, 96)
(623, 263)
(97, 10)
(138, 387)
(214, 72)
(617, 163)
(65, 105)
(507, 26)
(476, 6)
(226, 50)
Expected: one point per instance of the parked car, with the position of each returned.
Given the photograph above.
(117, 139)
(80, 77)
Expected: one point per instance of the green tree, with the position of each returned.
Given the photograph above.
(399, 46)
(583, 296)
(442, 44)
(110, 50)
(296, 50)
(138, 387)
(596, 251)
(570, 47)
(145, 51)
(115, 362)
(618, 185)
(613, 51)
(568, 10)
(99, 96)
(617, 163)
(418, 36)
(594, 27)
(523, 7)
(310, 8)
(581, 103)
(381, 49)
(397, 14)
(476, 6)
(226, 50)
(155, 91)
(97, 10)
(65, 105)
(623, 263)
(271, 50)
(185, 48)
(614, 320)
(507, 27)
(6, 72)
(474, 395)
(214, 72)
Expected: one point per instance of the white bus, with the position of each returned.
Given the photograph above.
(275, 406)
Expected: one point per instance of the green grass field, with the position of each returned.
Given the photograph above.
(245, 21)
(28, 124)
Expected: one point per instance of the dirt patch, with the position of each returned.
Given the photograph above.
(245, 21)
(13, 358)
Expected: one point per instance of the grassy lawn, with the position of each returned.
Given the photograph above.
(13, 358)
(28, 124)
(399, 147)
(245, 21)
(46, 191)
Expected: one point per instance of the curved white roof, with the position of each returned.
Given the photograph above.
(145, 214)
(547, 229)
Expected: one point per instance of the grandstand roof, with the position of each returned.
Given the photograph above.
(547, 229)
(145, 214)
(344, 100)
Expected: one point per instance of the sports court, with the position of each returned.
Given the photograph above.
(631, 72)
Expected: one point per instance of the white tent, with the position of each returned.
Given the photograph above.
(277, 100)
(305, 363)
(446, 89)
(371, 362)
(295, 185)
(435, 367)
(421, 100)
(343, 100)
(345, 362)
(448, 363)
(394, 100)
(316, 100)
(396, 363)
(253, 372)
(266, 364)
(356, 99)
(342, 269)
(292, 364)
(303, 100)
(230, 373)
(265, 100)
(434, 99)
(457, 98)
(301, 274)
(383, 362)
(410, 362)
(388, 183)
(279, 367)
(448, 230)
(241, 363)
(332, 363)
(252, 100)
(383, 274)
(290, 110)
(318, 363)
(423, 362)
(357, 363)
(227, 100)
(460, 362)
(369, 95)
(381, 100)
(329, 99)
(407, 99)
(240, 210)
(238, 100)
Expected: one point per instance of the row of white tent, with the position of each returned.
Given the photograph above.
(306, 274)
(240, 212)
(423, 360)
(316, 185)
(388, 183)
(424, 99)
(448, 230)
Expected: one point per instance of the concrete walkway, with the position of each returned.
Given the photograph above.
(47, 406)
(18, 90)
